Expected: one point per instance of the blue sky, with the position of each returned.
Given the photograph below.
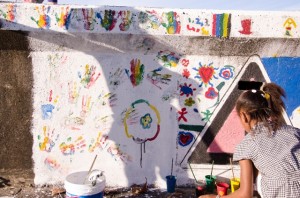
(271, 5)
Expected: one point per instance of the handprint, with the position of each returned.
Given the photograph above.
(10, 14)
(88, 15)
(137, 72)
(117, 154)
(85, 106)
(74, 123)
(47, 141)
(64, 18)
(133, 116)
(70, 148)
(44, 19)
(73, 92)
(55, 62)
(51, 163)
(157, 78)
(126, 17)
(152, 17)
(47, 109)
(109, 21)
(102, 122)
(99, 143)
(109, 99)
(172, 24)
(89, 77)
(116, 78)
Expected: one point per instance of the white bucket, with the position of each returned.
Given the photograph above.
(93, 187)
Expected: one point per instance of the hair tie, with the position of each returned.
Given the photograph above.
(267, 96)
(255, 86)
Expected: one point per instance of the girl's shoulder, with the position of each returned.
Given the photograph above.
(290, 128)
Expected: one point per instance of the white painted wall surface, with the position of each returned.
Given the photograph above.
(84, 114)
(89, 98)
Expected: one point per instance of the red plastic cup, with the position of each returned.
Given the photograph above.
(222, 188)
(200, 188)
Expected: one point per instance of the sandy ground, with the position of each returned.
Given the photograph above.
(19, 184)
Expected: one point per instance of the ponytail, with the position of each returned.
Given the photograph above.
(263, 102)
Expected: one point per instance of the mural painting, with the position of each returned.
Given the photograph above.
(134, 108)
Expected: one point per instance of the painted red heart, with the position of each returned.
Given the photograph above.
(185, 138)
(185, 62)
(206, 73)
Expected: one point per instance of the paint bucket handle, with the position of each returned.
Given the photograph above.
(94, 175)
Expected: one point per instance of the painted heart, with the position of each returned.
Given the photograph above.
(185, 62)
(206, 73)
(185, 138)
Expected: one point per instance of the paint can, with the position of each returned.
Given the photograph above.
(200, 188)
(171, 183)
(82, 185)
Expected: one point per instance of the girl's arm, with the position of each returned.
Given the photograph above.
(246, 182)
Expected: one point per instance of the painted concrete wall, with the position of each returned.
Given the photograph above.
(141, 87)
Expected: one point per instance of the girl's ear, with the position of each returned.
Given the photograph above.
(245, 118)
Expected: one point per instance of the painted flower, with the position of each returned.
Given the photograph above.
(186, 90)
(186, 73)
(226, 73)
(205, 73)
(189, 102)
(211, 93)
(146, 121)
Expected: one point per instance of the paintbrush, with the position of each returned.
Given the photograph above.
(231, 167)
(90, 169)
(212, 167)
(172, 168)
(192, 172)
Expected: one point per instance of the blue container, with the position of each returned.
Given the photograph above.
(171, 183)
(99, 195)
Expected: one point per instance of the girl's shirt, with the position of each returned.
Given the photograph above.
(276, 155)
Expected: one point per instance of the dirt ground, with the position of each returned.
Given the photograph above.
(19, 184)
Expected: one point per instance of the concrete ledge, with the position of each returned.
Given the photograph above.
(153, 21)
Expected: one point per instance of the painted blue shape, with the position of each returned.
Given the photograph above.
(47, 111)
(285, 71)
(218, 25)
(68, 21)
(185, 138)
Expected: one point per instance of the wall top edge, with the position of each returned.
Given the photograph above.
(267, 12)
(149, 21)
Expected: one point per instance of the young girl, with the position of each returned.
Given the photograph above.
(270, 146)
